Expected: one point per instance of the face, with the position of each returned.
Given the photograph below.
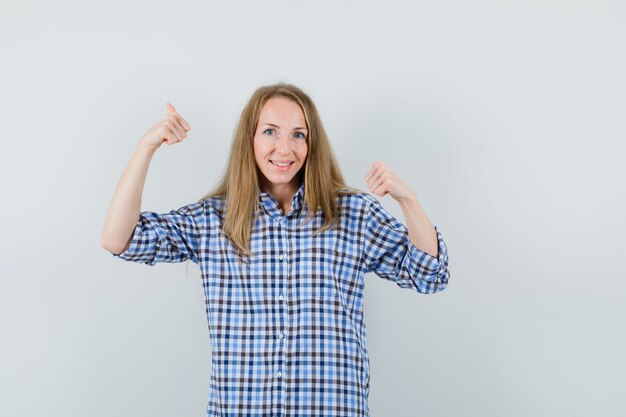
(280, 146)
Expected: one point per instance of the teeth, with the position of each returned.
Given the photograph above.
(281, 164)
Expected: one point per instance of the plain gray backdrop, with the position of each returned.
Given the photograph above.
(506, 118)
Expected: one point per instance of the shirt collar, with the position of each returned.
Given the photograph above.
(269, 202)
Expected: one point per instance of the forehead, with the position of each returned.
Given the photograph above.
(283, 112)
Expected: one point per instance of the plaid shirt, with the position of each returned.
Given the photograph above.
(286, 325)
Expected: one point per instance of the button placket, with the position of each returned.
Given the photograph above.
(282, 275)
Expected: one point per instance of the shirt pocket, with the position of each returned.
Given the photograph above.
(328, 275)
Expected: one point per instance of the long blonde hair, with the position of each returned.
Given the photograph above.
(240, 182)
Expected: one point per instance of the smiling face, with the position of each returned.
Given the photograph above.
(280, 145)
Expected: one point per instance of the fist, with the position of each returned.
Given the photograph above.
(382, 181)
(171, 129)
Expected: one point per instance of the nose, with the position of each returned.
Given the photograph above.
(282, 144)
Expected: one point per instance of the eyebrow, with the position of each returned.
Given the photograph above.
(273, 125)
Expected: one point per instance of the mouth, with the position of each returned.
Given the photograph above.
(282, 166)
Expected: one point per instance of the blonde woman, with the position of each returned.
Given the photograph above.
(283, 245)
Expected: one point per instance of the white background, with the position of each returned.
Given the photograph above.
(506, 118)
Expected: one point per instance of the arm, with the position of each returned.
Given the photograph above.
(125, 207)
(422, 233)
(390, 254)
(124, 210)
(401, 253)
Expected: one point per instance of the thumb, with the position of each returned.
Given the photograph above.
(170, 108)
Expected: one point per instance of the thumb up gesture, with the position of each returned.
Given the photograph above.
(171, 129)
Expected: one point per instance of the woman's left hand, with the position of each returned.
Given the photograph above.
(382, 181)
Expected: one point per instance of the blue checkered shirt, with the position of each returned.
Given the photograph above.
(286, 325)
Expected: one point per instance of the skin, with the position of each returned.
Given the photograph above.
(125, 206)
(282, 142)
(382, 181)
(280, 136)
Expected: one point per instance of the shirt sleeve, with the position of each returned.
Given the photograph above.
(165, 237)
(390, 254)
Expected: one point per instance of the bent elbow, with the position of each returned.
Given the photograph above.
(115, 249)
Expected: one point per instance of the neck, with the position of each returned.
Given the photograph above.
(283, 193)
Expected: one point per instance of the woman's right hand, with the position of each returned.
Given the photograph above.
(172, 129)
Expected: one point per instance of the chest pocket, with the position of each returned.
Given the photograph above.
(326, 274)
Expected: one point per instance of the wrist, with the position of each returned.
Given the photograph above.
(409, 200)
(146, 148)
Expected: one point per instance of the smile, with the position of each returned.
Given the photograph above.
(282, 166)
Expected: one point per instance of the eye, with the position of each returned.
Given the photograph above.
(267, 130)
(302, 135)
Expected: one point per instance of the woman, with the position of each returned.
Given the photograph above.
(283, 245)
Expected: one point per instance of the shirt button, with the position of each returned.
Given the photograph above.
(280, 256)
(281, 297)
(281, 335)
(279, 374)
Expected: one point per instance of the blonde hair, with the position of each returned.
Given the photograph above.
(239, 184)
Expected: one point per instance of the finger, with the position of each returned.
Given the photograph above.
(182, 122)
(371, 172)
(165, 138)
(381, 191)
(176, 128)
(378, 167)
(172, 111)
(376, 176)
(380, 183)
(171, 137)
(168, 136)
